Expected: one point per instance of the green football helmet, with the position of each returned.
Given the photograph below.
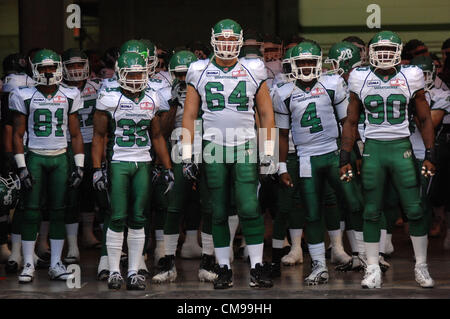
(227, 49)
(72, 56)
(250, 52)
(9, 191)
(286, 65)
(132, 63)
(43, 58)
(343, 56)
(385, 50)
(179, 63)
(428, 68)
(306, 51)
(136, 47)
(152, 60)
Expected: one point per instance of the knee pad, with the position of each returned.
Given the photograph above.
(371, 213)
(414, 212)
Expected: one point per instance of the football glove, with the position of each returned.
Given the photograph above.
(76, 177)
(99, 180)
(169, 179)
(25, 178)
(190, 170)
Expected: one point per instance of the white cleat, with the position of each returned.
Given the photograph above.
(423, 277)
(207, 272)
(167, 271)
(319, 274)
(27, 274)
(372, 277)
(59, 272)
(103, 269)
(294, 257)
(339, 256)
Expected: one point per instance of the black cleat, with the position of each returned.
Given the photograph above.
(224, 278)
(103, 275)
(115, 281)
(144, 272)
(207, 271)
(275, 270)
(11, 267)
(136, 282)
(260, 276)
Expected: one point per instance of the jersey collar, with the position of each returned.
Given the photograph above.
(385, 78)
(48, 96)
(135, 100)
(308, 88)
(224, 69)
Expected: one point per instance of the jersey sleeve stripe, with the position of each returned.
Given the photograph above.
(256, 83)
(362, 86)
(406, 80)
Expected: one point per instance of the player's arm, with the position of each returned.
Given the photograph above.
(349, 136)
(167, 120)
(191, 106)
(266, 117)
(284, 149)
(19, 127)
(7, 136)
(426, 129)
(99, 138)
(75, 134)
(436, 117)
(159, 143)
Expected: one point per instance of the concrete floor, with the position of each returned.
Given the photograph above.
(398, 281)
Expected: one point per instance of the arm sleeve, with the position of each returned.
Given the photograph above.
(341, 99)
(16, 102)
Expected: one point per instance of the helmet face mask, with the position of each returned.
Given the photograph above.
(72, 72)
(385, 50)
(227, 39)
(306, 61)
(132, 71)
(9, 191)
(41, 61)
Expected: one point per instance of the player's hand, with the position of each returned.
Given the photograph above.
(428, 169)
(346, 173)
(156, 174)
(76, 177)
(26, 180)
(286, 180)
(99, 180)
(169, 179)
(190, 170)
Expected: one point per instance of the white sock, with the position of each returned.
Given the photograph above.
(56, 247)
(420, 245)
(207, 244)
(135, 241)
(372, 253)
(72, 236)
(255, 252)
(382, 248)
(114, 241)
(170, 244)
(223, 256)
(277, 243)
(336, 239)
(28, 251)
(295, 233)
(352, 240)
(43, 233)
(191, 237)
(159, 234)
(342, 226)
(16, 246)
(233, 223)
(389, 238)
(317, 252)
(359, 237)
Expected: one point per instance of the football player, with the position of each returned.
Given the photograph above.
(227, 89)
(76, 73)
(273, 53)
(384, 90)
(47, 112)
(309, 104)
(361, 45)
(127, 115)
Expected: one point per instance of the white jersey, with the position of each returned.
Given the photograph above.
(385, 100)
(47, 115)
(272, 94)
(273, 71)
(165, 77)
(438, 100)
(15, 80)
(312, 113)
(227, 98)
(129, 123)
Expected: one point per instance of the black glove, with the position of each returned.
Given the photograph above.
(76, 177)
(190, 169)
(99, 180)
(169, 179)
(156, 174)
(26, 180)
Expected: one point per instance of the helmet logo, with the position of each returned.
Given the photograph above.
(227, 33)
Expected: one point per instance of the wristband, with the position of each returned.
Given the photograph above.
(79, 160)
(282, 168)
(344, 158)
(186, 152)
(430, 155)
(20, 160)
(269, 146)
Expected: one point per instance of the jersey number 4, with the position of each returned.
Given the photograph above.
(238, 96)
(310, 119)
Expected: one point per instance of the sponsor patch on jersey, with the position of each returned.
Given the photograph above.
(88, 91)
(38, 99)
(146, 105)
(126, 106)
(372, 83)
(239, 73)
(59, 99)
(298, 96)
(407, 154)
(318, 91)
(212, 73)
(397, 82)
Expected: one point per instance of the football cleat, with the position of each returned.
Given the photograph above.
(59, 272)
(294, 257)
(423, 277)
(136, 282)
(275, 270)
(12, 266)
(372, 277)
(159, 251)
(348, 266)
(384, 265)
(319, 274)
(260, 276)
(115, 281)
(41, 263)
(207, 270)
(143, 270)
(224, 278)
(27, 274)
(103, 269)
(167, 271)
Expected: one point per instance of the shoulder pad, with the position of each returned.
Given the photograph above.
(199, 65)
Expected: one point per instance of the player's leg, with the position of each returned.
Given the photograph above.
(159, 206)
(15, 259)
(191, 221)
(104, 210)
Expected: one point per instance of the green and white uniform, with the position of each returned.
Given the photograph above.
(47, 122)
(227, 102)
(387, 149)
